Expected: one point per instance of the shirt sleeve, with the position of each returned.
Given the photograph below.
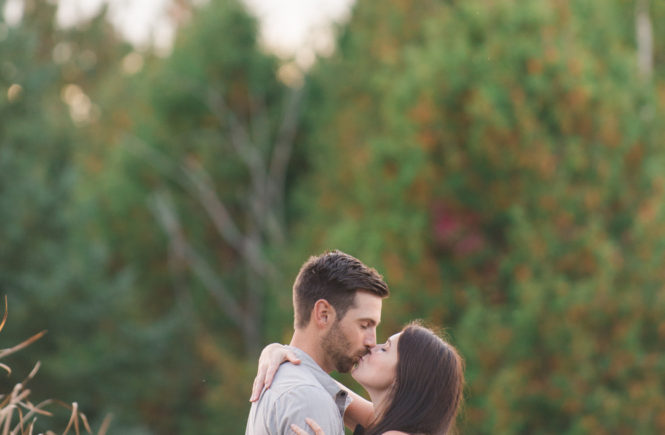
(303, 402)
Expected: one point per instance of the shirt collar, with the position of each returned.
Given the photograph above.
(340, 396)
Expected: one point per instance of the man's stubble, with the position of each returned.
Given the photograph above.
(336, 346)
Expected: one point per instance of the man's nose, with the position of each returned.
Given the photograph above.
(370, 338)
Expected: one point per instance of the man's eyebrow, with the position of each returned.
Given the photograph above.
(368, 320)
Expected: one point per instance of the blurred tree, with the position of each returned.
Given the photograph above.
(191, 198)
(220, 133)
(52, 273)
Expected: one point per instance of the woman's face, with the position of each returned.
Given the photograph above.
(376, 370)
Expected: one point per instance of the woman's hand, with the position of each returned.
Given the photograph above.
(271, 357)
(315, 427)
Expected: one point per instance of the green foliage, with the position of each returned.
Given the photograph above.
(49, 270)
(515, 150)
(199, 117)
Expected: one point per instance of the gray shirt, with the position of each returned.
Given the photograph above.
(297, 392)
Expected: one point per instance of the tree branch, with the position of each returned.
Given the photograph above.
(163, 208)
(221, 218)
(240, 139)
(644, 38)
(279, 162)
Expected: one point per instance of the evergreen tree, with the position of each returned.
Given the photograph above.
(192, 200)
(51, 272)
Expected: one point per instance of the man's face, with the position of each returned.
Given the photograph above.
(350, 338)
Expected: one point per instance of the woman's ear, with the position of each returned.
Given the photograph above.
(323, 313)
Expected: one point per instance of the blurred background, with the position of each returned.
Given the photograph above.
(165, 171)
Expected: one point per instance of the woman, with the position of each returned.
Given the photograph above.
(415, 381)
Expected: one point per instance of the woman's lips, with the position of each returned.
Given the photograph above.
(361, 359)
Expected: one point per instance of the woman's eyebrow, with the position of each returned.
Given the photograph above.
(388, 342)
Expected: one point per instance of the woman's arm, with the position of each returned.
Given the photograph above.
(360, 411)
(272, 356)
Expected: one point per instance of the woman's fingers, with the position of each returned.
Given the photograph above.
(292, 358)
(258, 384)
(271, 358)
(274, 365)
(297, 430)
(270, 374)
(315, 427)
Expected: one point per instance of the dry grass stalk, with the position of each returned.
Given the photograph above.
(16, 403)
(105, 425)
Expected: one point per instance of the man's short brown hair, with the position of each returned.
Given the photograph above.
(335, 277)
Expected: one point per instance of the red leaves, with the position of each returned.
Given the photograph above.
(457, 230)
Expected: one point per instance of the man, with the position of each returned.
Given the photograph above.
(337, 307)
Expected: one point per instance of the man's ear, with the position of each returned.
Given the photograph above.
(323, 314)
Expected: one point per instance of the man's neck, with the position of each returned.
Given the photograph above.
(309, 343)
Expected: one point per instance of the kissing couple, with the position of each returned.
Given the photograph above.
(415, 380)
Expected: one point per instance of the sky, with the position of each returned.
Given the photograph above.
(298, 28)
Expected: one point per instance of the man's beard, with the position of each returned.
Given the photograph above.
(336, 346)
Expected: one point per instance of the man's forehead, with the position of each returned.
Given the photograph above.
(367, 305)
(366, 298)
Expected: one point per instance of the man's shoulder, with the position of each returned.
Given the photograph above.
(291, 374)
(295, 379)
(303, 396)
(296, 404)
(295, 394)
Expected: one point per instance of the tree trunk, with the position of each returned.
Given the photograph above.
(644, 39)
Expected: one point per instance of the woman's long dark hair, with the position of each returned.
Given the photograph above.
(428, 386)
